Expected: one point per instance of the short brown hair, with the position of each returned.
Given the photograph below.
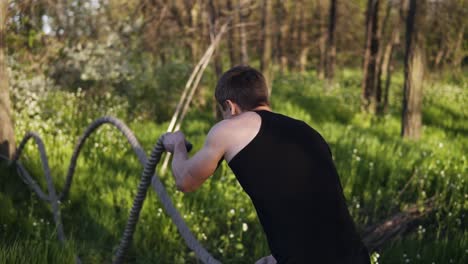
(243, 85)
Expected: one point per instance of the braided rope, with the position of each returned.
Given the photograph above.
(52, 197)
(148, 172)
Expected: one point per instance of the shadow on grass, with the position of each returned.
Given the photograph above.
(441, 116)
(25, 217)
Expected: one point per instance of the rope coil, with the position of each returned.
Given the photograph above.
(149, 176)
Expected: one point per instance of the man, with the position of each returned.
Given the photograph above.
(285, 167)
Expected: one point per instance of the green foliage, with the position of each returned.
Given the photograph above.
(38, 252)
(380, 173)
(154, 90)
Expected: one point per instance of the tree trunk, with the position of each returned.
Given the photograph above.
(370, 65)
(387, 67)
(213, 17)
(331, 47)
(279, 15)
(414, 71)
(292, 39)
(440, 36)
(285, 38)
(232, 34)
(218, 67)
(384, 58)
(303, 43)
(195, 36)
(7, 135)
(321, 10)
(243, 34)
(458, 50)
(440, 56)
(265, 62)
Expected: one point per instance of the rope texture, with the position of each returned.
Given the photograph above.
(147, 178)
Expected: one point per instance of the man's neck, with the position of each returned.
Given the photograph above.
(262, 107)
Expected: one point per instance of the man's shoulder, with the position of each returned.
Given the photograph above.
(291, 121)
(237, 122)
(224, 128)
(299, 126)
(232, 131)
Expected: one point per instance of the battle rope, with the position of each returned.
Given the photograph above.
(148, 172)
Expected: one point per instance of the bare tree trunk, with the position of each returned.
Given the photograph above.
(233, 34)
(285, 38)
(414, 71)
(303, 43)
(370, 65)
(218, 67)
(196, 17)
(213, 17)
(331, 47)
(383, 59)
(458, 50)
(188, 18)
(243, 33)
(7, 135)
(279, 15)
(440, 56)
(265, 62)
(440, 39)
(292, 40)
(387, 67)
(321, 9)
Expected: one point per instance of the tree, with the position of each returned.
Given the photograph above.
(265, 62)
(7, 135)
(303, 38)
(331, 46)
(234, 53)
(213, 18)
(243, 15)
(217, 64)
(322, 45)
(414, 71)
(386, 59)
(371, 51)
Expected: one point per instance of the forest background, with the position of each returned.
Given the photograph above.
(384, 81)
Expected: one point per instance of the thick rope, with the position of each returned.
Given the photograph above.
(149, 171)
(52, 197)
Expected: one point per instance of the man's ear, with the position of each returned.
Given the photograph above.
(230, 106)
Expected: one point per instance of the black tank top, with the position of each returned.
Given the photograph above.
(288, 172)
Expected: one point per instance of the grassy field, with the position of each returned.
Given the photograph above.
(374, 164)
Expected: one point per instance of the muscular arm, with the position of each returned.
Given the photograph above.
(190, 173)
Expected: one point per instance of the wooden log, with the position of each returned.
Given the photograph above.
(375, 236)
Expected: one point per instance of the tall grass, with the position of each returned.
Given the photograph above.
(374, 164)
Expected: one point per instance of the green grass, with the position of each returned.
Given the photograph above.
(374, 164)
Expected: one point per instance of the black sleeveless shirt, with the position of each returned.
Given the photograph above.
(288, 172)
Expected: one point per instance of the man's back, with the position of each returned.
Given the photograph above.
(288, 172)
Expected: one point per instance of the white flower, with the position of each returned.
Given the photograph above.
(245, 227)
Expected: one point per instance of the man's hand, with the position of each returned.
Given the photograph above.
(190, 173)
(170, 140)
(266, 260)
